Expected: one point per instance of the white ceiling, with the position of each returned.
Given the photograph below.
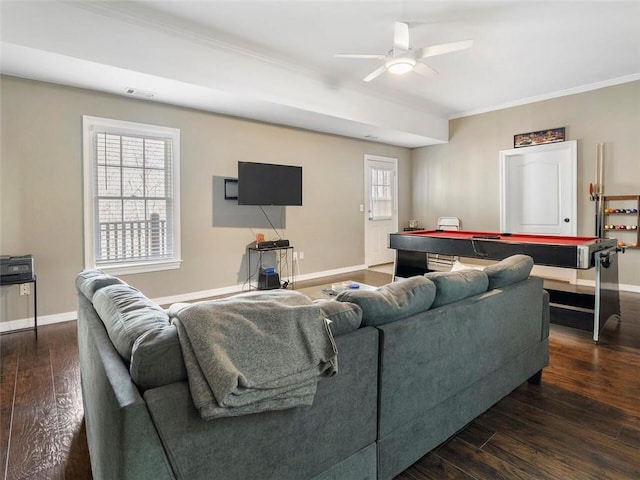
(273, 60)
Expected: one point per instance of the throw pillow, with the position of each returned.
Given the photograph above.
(510, 270)
(454, 286)
(393, 301)
(458, 266)
(344, 316)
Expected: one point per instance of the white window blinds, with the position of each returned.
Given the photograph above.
(381, 207)
(133, 199)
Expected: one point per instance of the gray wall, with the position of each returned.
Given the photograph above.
(41, 191)
(461, 178)
(41, 182)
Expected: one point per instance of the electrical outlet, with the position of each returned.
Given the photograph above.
(301, 255)
(25, 289)
(295, 256)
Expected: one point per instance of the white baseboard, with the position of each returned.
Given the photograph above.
(328, 273)
(25, 323)
(623, 287)
(192, 296)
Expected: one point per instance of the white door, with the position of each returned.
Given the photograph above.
(381, 212)
(539, 194)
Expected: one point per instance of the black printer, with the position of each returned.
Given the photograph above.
(16, 269)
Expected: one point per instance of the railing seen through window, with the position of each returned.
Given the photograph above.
(133, 240)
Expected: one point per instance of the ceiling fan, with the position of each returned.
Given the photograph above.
(402, 58)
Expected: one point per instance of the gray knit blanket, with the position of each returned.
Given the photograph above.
(254, 353)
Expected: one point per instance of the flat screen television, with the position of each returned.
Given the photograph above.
(269, 184)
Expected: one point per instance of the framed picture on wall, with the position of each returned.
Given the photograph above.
(540, 137)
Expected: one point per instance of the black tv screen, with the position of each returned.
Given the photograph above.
(269, 184)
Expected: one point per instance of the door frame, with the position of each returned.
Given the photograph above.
(366, 200)
(571, 148)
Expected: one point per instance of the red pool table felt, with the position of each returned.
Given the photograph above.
(510, 238)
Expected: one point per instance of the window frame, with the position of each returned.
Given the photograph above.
(92, 125)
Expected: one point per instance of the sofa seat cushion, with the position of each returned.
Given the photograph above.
(127, 314)
(510, 270)
(90, 281)
(454, 286)
(393, 301)
(344, 316)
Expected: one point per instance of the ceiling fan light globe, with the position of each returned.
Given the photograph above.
(400, 66)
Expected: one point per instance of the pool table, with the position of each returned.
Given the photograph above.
(552, 250)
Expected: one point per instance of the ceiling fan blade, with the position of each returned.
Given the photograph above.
(445, 48)
(360, 55)
(425, 70)
(375, 73)
(400, 37)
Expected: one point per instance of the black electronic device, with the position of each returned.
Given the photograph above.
(16, 269)
(273, 244)
(268, 279)
(269, 184)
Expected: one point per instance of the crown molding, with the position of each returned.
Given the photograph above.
(549, 96)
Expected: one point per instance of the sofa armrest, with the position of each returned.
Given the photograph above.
(122, 439)
(546, 314)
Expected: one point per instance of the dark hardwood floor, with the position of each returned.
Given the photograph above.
(583, 422)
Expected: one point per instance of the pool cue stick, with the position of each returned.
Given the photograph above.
(601, 180)
(597, 192)
(599, 232)
(597, 184)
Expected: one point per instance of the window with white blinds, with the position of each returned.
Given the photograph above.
(131, 196)
(381, 207)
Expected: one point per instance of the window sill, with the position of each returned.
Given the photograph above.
(146, 267)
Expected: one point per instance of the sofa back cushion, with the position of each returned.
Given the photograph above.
(344, 316)
(393, 301)
(454, 286)
(127, 314)
(90, 281)
(510, 270)
(156, 358)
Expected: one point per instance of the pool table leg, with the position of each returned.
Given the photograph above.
(607, 301)
(409, 264)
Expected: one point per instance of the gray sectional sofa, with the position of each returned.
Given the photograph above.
(417, 360)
